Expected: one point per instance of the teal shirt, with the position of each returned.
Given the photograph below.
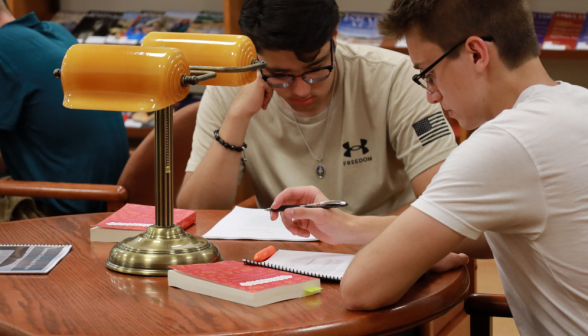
(40, 139)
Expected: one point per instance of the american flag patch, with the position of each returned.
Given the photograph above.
(431, 128)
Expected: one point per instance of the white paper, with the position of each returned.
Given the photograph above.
(318, 264)
(255, 224)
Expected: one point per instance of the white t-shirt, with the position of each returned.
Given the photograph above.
(382, 133)
(522, 180)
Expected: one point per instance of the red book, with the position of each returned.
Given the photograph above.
(132, 219)
(564, 31)
(250, 285)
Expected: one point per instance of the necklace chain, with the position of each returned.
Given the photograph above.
(327, 128)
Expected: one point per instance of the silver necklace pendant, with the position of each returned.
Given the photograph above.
(320, 171)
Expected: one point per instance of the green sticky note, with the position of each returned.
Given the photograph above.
(312, 291)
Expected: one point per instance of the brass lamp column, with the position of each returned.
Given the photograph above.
(164, 179)
(164, 243)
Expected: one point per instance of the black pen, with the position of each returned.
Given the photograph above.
(322, 205)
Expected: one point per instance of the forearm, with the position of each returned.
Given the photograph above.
(384, 270)
(364, 229)
(213, 185)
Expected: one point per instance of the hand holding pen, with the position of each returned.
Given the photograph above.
(321, 205)
(314, 214)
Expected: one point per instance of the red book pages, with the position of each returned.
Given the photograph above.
(143, 216)
(240, 276)
(564, 31)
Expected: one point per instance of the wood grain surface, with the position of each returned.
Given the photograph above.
(81, 297)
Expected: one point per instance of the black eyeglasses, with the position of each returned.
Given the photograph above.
(426, 80)
(311, 77)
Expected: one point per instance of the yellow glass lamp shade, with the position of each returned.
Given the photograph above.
(219, 50)
(123, 78)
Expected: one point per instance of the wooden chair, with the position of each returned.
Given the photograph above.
(137, 181)
(456, 322)
(481, 308)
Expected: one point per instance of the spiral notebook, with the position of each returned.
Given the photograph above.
(328, 266)
(31, 259)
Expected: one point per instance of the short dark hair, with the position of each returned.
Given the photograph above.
(446, 22)
(300, 26)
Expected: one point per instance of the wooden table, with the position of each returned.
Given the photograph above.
(81, 297)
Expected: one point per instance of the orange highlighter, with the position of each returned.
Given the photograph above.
(264, 254)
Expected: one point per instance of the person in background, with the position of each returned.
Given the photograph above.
(346, 118)
(515, 190)
(40, 139)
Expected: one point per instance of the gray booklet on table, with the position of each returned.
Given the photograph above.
(31, 259)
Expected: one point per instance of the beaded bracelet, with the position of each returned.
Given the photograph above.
(226, 145)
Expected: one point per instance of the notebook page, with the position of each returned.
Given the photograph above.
(321, 264)
(255, 224)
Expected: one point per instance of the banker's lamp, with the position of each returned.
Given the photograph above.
(146, 78)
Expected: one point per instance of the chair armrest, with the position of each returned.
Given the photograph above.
(91, 192)
(487, 305)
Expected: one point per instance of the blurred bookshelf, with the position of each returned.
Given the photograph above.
(545, 54)
(45, 9)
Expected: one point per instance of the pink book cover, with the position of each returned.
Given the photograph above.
(235, 274)
(139, 217)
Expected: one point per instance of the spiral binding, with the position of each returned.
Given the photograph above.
(291, 270)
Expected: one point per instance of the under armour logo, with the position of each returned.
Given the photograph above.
(349, 149)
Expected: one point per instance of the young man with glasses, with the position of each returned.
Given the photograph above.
(345, 118)
(515, 190)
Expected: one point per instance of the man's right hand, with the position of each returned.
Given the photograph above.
(329, 225)
(251, 98)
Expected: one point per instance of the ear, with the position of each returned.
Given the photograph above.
(335, 33)
(478, 52)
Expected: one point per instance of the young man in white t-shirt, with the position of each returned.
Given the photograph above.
(345, 118)
(516, 190)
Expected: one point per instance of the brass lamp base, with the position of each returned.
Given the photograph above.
(152, 252)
